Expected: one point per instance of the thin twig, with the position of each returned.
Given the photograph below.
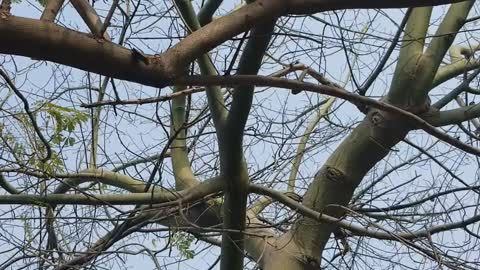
(106, 23)
(26, 106)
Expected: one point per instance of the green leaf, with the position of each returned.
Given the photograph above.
(183, 241)
(71, 141)
(65, 120)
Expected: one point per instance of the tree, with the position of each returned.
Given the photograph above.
(97, 158)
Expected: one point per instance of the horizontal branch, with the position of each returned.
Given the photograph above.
(73, 179)
(165, 198)
(142, 101)
(415, 203)
(427, 123)
(57, 44)
(416, 121)
(358, 229)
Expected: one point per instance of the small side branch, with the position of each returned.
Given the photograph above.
(90, 17)
(106, 23)
(51, 10)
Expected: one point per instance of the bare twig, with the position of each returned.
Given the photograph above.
(26, 107)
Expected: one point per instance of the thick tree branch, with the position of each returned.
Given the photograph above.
(7, 186)
(233, 167)
(454, 116)
(206, 13)
(184, 177)
(366, 85)
(408, 68)
(54, 43)
(445, 35)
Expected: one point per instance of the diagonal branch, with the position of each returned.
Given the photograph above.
(182, 171)
(90, 17)
(161, 199)
(380, 233)
(51, 10)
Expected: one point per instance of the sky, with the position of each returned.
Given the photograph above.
(137, 134)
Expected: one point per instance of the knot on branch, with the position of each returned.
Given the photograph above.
(311, 262)
(377, 119)
(387, 121)
(334, 175)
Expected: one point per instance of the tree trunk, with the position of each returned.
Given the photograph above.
(333, 187)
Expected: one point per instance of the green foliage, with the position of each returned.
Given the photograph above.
(10, 140)
(54, 164)
(182, 242)
(65, 121)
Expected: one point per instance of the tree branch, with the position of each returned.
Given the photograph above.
(206, 12)
(162, 199)
(460, 62)
(454, 116)
(455, 92)
(445, 35)
(26, 107)
(182, 171)
(366, 85)
(55, 43)
(90, 17)
(414, 120)
(380, 233)
(408, 68)
(51, 10)
(233, 167)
